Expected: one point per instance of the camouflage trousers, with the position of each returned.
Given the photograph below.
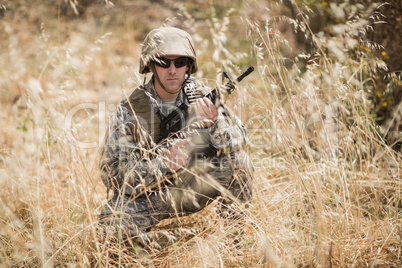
(191, 191)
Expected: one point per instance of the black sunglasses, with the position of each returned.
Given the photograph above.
(165, 63)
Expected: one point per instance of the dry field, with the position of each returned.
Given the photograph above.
(327, 186)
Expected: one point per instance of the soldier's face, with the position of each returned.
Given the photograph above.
(171, 77)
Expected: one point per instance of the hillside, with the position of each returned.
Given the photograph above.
(322, 110)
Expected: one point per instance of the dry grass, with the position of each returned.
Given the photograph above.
(327, 189)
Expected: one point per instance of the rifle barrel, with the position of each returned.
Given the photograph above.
(247, 72)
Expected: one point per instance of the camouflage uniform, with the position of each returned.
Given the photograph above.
(133, 162)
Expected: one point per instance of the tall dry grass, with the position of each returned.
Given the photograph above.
(327, 187)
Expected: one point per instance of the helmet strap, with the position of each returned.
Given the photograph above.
(190, 67)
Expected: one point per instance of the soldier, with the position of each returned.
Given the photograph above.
(152, 178)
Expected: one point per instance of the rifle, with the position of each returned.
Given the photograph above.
(176, 120)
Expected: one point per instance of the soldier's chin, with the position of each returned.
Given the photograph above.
(173, 91)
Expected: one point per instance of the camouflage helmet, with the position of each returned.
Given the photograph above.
(167, 41)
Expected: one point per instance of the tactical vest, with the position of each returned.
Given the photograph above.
(144, 113)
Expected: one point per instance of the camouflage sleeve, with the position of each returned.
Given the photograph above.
(227, 133)
(130, 161)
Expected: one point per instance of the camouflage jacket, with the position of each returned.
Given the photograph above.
(131, 160)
